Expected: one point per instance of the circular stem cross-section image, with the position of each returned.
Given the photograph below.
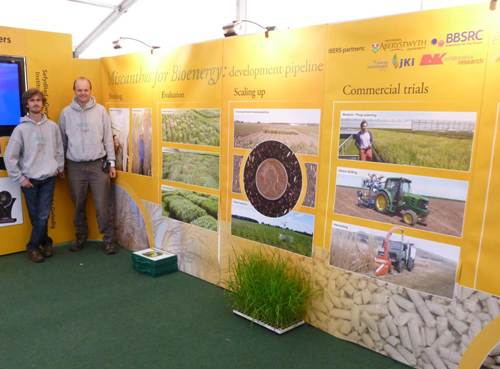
(272, 178)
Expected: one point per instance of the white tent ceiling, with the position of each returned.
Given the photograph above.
(173, 23)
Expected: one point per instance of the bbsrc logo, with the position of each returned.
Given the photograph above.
(456, 38)
(402, 62)
(432, 59)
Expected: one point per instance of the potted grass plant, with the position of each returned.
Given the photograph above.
(268, 291)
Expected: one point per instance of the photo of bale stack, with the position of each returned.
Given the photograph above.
(419, 329)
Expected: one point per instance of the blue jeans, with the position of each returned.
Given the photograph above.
(39, 202)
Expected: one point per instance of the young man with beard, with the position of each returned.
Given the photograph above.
(33, 158)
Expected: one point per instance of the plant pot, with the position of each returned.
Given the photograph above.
(271, 328)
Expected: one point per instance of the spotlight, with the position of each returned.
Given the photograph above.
(230, 29)
(117, 45)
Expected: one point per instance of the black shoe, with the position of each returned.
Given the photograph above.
(77, 246)
(109, 248)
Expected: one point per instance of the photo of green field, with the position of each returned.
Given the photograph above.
(425, 149)
(196, 168)
(426, 139)
(296, 128)
(191, 126)
(190, 207)
(292, 232)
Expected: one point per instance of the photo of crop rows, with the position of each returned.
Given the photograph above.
(190, 207)
(197, 168)
(296, 128)
(422, 139)
(191, 126)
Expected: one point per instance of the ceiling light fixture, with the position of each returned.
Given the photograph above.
(230, 29)
(117, 45)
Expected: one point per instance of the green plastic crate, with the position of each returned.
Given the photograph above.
(154, 262)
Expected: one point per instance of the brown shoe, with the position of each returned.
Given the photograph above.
(77, 246)
(35, 256)
(46, 250)
(109, 248)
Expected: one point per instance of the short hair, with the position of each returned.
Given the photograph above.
(82, 79)
(28, 94)
(363, 122)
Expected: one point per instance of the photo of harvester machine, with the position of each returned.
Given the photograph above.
(397, 254)
(393, 196)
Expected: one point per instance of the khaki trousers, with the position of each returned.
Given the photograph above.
(81, 177)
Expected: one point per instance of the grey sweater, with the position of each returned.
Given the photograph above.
(86, 132)
(35, 150)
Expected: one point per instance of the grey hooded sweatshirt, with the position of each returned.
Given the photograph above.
(35, 150)
(86, 132)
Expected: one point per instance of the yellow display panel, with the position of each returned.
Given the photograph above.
(51, 72)
(486, 276)
(408, 68)
(281, 78)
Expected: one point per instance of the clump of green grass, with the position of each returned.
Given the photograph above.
(268, 289)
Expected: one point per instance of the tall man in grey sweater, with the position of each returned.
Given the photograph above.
(90, 161)
(33, 158)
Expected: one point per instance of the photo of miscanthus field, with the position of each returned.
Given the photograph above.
(296, 128)
(196, 168)
(427, 139)
(292, 232)
(190, 207)
(191, 126)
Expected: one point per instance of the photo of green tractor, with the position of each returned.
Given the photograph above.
(428, 203)
(394, 196)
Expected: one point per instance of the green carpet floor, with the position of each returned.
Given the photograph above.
(88, 310)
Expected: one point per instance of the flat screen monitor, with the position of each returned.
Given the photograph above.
(12, 85)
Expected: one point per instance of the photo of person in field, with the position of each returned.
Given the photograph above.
(364, 142)
(434, 139)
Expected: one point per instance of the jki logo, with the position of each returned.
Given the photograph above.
(402, 62)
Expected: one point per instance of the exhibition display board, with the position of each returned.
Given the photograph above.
(256, 143)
